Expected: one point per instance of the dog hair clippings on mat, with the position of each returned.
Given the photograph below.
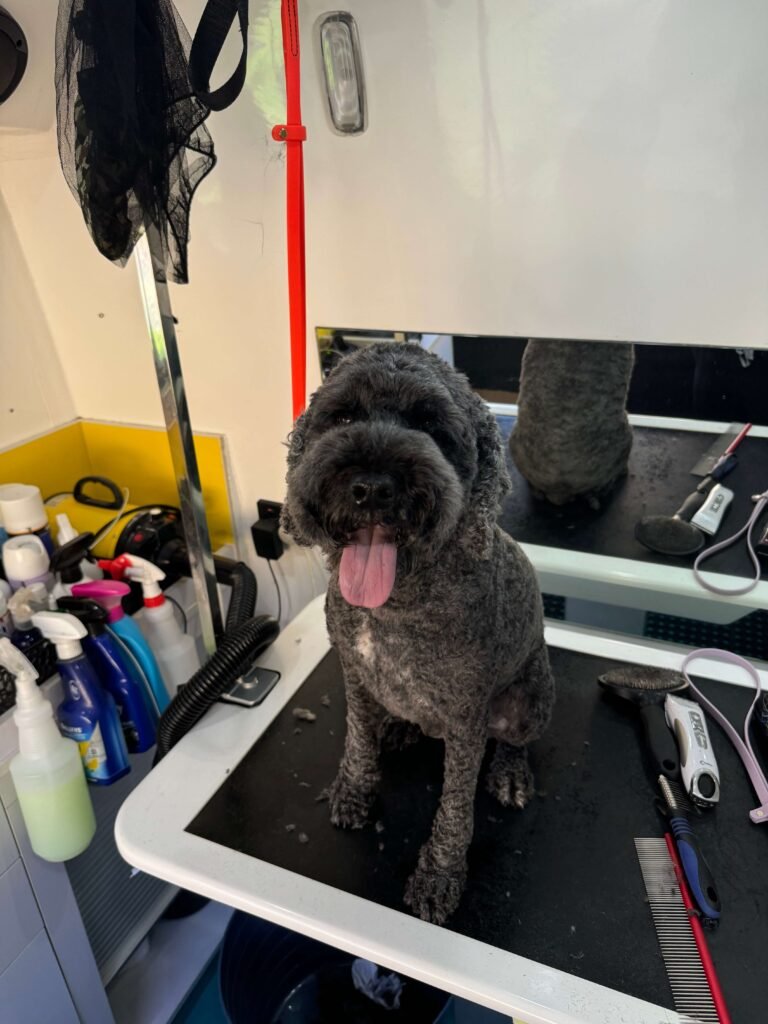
(743, 746)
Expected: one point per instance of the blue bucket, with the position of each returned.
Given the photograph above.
(275, 976)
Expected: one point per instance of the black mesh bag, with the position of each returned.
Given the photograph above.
(132, 141)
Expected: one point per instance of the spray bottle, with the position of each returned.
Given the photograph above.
(87, 714)
(174, 649)
(67, 564)
(118, 673)
(109, 594)
(22, 606)
(65, 533)
(47, 772)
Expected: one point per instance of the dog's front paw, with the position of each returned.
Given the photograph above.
(433, 892)
(349, 805)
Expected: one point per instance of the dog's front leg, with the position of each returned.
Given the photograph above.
(434, 889)
(354, 789)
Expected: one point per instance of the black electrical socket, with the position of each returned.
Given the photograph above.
(265, 531)
(269, 509)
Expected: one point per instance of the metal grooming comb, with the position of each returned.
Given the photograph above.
(679, 950)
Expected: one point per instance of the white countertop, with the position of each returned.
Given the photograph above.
(150, 834)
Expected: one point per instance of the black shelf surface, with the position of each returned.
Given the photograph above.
(658, 481)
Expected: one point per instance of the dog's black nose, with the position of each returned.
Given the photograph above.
(374, 491)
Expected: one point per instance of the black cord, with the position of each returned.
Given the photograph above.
(277, 588)
(180, 609)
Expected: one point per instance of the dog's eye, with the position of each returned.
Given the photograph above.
(343, 419)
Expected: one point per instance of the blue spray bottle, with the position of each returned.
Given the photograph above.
(109, 594)
(117, 673)
(87, 714)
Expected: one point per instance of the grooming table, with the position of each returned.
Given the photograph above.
(582, 553)
(553, 927)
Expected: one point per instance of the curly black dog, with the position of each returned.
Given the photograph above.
(396, 471)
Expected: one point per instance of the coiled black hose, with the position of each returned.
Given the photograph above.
(245, 638)
(242, 602)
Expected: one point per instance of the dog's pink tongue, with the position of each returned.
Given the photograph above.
(367, 570)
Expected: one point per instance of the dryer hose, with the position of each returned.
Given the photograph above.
(244, 640)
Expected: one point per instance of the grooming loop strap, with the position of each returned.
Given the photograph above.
(761, 502)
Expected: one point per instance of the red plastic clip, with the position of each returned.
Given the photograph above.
(289, 133)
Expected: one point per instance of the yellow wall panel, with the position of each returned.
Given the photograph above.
(52, 462)
(138, 458)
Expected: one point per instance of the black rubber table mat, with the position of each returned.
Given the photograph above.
(658, 481)
(559, 882)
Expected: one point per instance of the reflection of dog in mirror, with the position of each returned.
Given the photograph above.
(572, 437)
(396, 471)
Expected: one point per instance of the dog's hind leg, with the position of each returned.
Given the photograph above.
(352, 793)
(518, 716)
(434, 889)
(510, 778)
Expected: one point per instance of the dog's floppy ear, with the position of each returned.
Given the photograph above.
(297, 442)
(297, 439)
(491, 481)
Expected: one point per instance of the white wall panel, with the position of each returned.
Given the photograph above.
(586, 170)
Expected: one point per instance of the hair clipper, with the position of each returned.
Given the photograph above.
(698, 766)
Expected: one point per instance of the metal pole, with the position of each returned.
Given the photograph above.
(162, 331)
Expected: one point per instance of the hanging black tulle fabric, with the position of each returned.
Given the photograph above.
(132, 141)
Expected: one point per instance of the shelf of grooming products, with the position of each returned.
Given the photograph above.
(64, 610)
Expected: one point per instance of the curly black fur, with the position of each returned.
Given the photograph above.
(458, 648)
(572, 438)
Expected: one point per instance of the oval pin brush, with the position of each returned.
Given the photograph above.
(647, 689)
(676, 534)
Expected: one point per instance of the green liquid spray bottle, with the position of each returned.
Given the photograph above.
(47, 772)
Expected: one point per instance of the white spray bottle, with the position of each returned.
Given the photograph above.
(66, 533)
(47, 772)
(174, 649)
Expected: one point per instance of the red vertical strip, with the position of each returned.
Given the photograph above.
(294, 141)
(698, 933)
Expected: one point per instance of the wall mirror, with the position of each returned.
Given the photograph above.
(685, 405)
